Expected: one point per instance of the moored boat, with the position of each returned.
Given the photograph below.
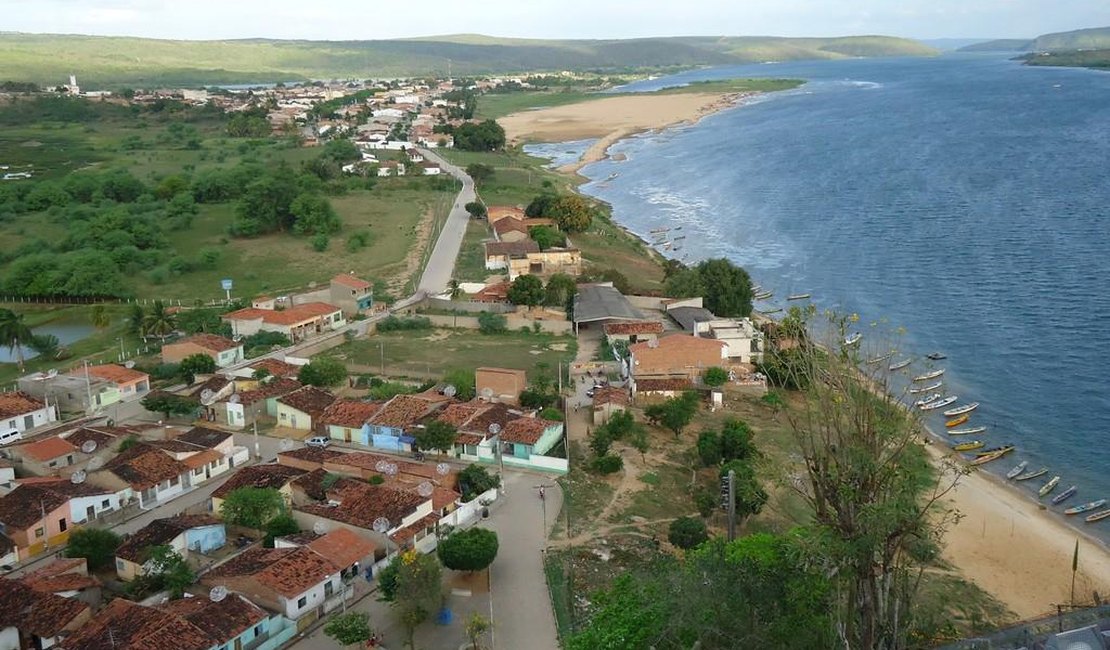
(960, 410)
(1034, 474)
(770, 311)
(1085, 507)
(930, 375)
(1003, 449)
(853, 339)
(1048, 487)
(764, 295)
(927, 400)
(967, 431)
(797, 296)
(926, 389)
(968, 446)
(991, 456)
(957, 421)
(1065, 495)
(939, 404)
(659, 230)
(881, 358)
(936, 356)
(1098, 516)
(901, 364)
(1018, 469)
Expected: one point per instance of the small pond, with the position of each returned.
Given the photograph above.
(69, 329)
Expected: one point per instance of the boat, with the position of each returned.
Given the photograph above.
(960, 410)
(853, 339)
(679, 237)
(991, 456)
(901, 364)
(936, 356)
(967, 431)
(1028, 475)
(1048, 487)
(1004, 449)
(926, 389)
(757, 288)
(880, 358)
(1065, 495)
(1085, 507)
(1090, 519)
(763, 295)
(930, 375)
(955, 422)
(1018, 469)
(969, 445)
(798, 296)
(939, 404)
(770, 311)
(927, 400)
(659, 230)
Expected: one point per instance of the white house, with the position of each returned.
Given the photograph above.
(293, 581)
(20, 412)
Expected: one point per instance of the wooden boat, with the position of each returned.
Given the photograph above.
(1086, 507)
(926, 389)
(1050, 486)
(992, 456)
(756, 289)
(936, 356)
(770, 311)
(797, 296)
(994, 450)
(969, 445)
(960, 410)
(1098, 516)
(957, 421)
(1065, 495)
(659, 230)
(1018, 469)
(930, 375)
(939, 404)
(927, 400)
(967, 431)
(881, 358)
(853, 339)
(1028, 475)
(901, 364)
(764, 295)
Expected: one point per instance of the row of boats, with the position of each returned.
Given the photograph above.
(1021, 472)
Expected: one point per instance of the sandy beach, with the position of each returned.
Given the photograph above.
(613, 118)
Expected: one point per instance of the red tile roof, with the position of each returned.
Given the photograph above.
(309, 399)
(201, 459)
(502, 226)
(223, 620)
(361, 504)
(310, 454)
(610, 395)
(401, 411)
(204, 437)
(34, 612)
(350, 413)
(160, 531)
(342, 547)
(663, 385)
(457, 415)
(23, 507)
(259, 476)
(288, 316)
(144, 466)
(124, 625)
(276, 368)
(47, 449)
(526, 431)
(15, 403)
(274, 388)
(63, 574)
(351, 281)
(634, 327)
(408, 532)
(512, 248)
(288, 571)
(211, 342)
(113, 373)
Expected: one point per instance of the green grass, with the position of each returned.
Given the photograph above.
(606, 246)
(495, 105)
(584, 495)
(559, 586)
(470, 266)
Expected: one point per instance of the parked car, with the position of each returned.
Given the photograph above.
(318, 441)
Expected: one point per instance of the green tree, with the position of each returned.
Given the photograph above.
(714, 376)
(726, 288)
(547, 237)
(526, 290)
(196, 364)
(491, 323)
(172, 570)
(749, 492)
(279, 526)
(477, 209)
(313, 214)
(736, 441)
(97, 545)
(541, 205)
(687, 532)
(463, 381)
(349, 628)
(135, 318)
(418, 592)
(158, 321)
(709, 448)
(47, 346)
(640, 440)
(100, 317)
(572, 212)
(244, 125)
(127, 443)
(323, 372)
(475, 480)
(674, 413)
(601, 441)
(341, 150)
(480, 173)
(560, 290)
(169, 404)
(468, 550)
(620, 282)
(476, 627)
(252, 507)
(454, 288)
(14, 334)
(438, 435)
(484, 136)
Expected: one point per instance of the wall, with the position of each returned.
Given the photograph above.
(79, 506)
(542, 463)
(468, 306)
(471, 322)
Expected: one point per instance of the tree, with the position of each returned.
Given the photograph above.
(675, 413)
(158, 321)
(313, 215)
(572, 212)
(736, 441)
(601, 442)
(279, 526)
(196, 364)
(463, 381)
(135, 319)
(171, 569)
(127, 443)
(341, 150)
(14, 334)
(480, 173)
(709, 448)
(749, 492)
(687, 532)
(526, 290)
(100, 318)
(714, 376)
(419, 590)
(485, 136)
(47, 346)
(349, 628)
(475, 480)
(547, 237)
(252, 507)
(491, 323)
(477, 209)
(476, 627)
(468, 550)
(454, 287)
(169, 404)
(726, 288)
(560, 290)
(438, 435)
(620, 282)
(640, 441)
(97, 545)
(323, 372)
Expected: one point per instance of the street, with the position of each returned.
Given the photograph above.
(441, 265)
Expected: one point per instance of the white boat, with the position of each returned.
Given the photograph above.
(1085, 507)
(926, 389)
(658, 230)
(1098, 516)
(797, 296)
(1065, 495)
(967, 431)
(881, 358)
(930, 375)
(940, 403)
(960, 410)
(1018, 469)
(1048, 487)
(901, 364)
(927, 400)
(1028, 475)
(852, 339)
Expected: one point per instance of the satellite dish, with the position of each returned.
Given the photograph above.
(381, 525)
(319, 528)
(77, 477)
(391, 469)
(450, 390)
(380, 466)
(234, 399)
(442, 469)
(95, 463)
(495, 428)
(52, 373)
(129, 365)
(425, 489)
(206, 395)
(286, 444)
(218, 593)
(487, 392)
(89, 446)
(654, 343)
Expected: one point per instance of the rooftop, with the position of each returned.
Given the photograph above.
(689, 317)
(610, 395)
(350, 413)
(288, 316)
(526, 431)
(597, 302)
(309, 399)
(276, 368)
(143, 466)
(401, 411)
(23, 507)
(15, 403)
(124, 625)
(512, 248)
(158, 532)
(269, 389)
(288, 571)
(634, 327)
(113, 373)
(310, 454)
(663, 385)
(361, 504)
(223, 620)
(204, 437)
(47, 449)
(40, 613)
(212, 342)
(342, 547)
(258, 476)
(351, 281)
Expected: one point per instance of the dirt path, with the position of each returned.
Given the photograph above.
(411, 265)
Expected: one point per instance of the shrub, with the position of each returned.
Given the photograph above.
(404, 323)
(705, 501)
(320, 242)
(535, 399)
(475, 480)
(553, 414)
(687, 532)
(714, 376)
(608, 464)
(490, 323)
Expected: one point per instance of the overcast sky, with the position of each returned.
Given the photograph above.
(369, 19)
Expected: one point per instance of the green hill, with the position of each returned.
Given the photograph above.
(123, 61)
(1001, 45)
(1080, 39)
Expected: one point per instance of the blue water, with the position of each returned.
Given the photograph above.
(964, 197)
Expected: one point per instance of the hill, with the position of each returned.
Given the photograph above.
(1000, 45)
(1080, 39)
(124, 61)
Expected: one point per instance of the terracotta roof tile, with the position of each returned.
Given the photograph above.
(634, 327)
(34, 612)
(62, 574)
(13, 403)
(47, 448)
(663, 385)
(215, 384)
(457, 415)
(259, 476)
(311, 454)
(158, 532)
(288, 316)
(113, 373)
(223, 620)
(204, 437)
(288, 571)
(211, 342)
(351, 281)
(526, 431)
(23, 507)
(203, 458)
(496, 414)
(102, 436)
(360, 504)
(408, 532)
(143, 466)
(276, 368)
(274, 388)
(512, 248)
(401, 411)
(349, 413)
(610, 395)
(342, 547)
(309, 399)
(124, 625)
(502, 226)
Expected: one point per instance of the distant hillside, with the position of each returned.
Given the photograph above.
(122, 61)
(1080, 39)
(1001, 45)
(1099, 59)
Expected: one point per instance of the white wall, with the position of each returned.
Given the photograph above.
(315, 598)
(9, 639)
(79, 505)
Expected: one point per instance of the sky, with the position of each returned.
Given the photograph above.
(374, 19)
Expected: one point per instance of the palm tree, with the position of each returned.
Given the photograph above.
(100, 317)
(158, 322)
(14, 333)
(135, 320)
(46, 345)
(456, 293)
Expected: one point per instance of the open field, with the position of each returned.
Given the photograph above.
(470, 266)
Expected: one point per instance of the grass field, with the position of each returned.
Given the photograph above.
(470, 266)
(495, 105)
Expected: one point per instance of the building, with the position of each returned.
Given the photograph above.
(71, 393)
(297, 322)
(676, 356)
(510, 230)
(501, 255)
(633, 331)
(342, 547)
(66, 577)
(502, 385)
(607, 401)
(524, 257)
(348, 420)
(20, 413)
(183, 534)
(45, 456)
(602, 304)
(525, 437)
(352, 295)
(303, 408)
(294, 582)
(223, 351)
(495, 213)
(130, 382)
(389, 425)
(145, 473)
(37, 515)
(30, 618)
(241, 410)
(744, 340)
(268, 476)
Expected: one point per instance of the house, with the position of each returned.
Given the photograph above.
(495, 213)
(20, 413)
(415, 155)
(525, 437)
(608, 400)
(348, 420)
(268, 476)
(296, 322)
(9, 552)
(601, 303)
(303, 407)
(276, 368)
(30, 618)
(662, 388)
(45, 456)
(307, 458)
(70, 392)
(183, 534)
(548, 262)
(66, 577)
(146, 473)
(241, 410)
(677, 356)
(345, 549)
(391, 168)
(499, 255)
(223, 351)
(40, 514)
(388, 426)
(352, 295)
(220, 441)
(496, 292)
(429, 169)
(130, 382)
(510, 230)
(633, 331)
(502, 385)
(744, 341)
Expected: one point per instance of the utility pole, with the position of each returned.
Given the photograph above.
(728, 491)
(381, 346)
(257, 452)
(88, 388)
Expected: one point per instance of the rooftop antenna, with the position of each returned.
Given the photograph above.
(129, 365)
(381, 525)
(89, 446)
(442, 469)
(425, 489)
(218, 593)
(319, 528)
(234, 399)
(78, 477)
(286, 444)
(450, 390)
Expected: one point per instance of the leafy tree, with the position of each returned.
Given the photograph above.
(727, 288)
(736, 441)
(475, 480)
(463, 381)
(547, 237)
(314, 214)
(675, 413)
(349, 628)
(266, 203)
(485, 136)
(560, 290)
(526, 290)
(552, 414)
(438, 435)
(477, 209)
(714, 376)
(468, 550)
(687, 532)
(419, 590)
(158, 321)
(709, 448)
(609, 464)
(196, 364)
(14, 333)
(640, 441)
(171, 569)
(169, 404)
(97, 545)
(620, 282)
(601, 441)
(541, 205)
(632, 613)
(476, 627)
(252, 507)
(323, 372)
(749, 492)
(536, 399)
(480, 173)
(279, 526)
(47, 346)
(243, 125)
(341, 150)
(135, 318)
(491, 323)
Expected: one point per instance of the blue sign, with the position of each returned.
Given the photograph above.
(226, 284)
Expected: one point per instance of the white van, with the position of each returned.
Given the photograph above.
(10, 436)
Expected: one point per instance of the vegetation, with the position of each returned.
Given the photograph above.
(416, 590)
(468, 550)
(572, 212)
(491, 323)
(252, 507)
(170, 570)
(196, 364)
(14, 334)
(687, 532)
(437, 435)
(715, 376)
(527, 290)
(727, 288)
(475, 480)
(169, 404)
(349, 628)
(323, 372)
(279, 526)
(484, 136)
(674, 413)
(97, 545)
(476, 628)
(404, 323)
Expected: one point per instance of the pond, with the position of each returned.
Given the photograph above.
(69, 329)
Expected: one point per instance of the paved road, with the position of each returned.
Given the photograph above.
(441, 265)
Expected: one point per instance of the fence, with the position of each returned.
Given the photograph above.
(471, 323)
(1033, 634)
(468, 306)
